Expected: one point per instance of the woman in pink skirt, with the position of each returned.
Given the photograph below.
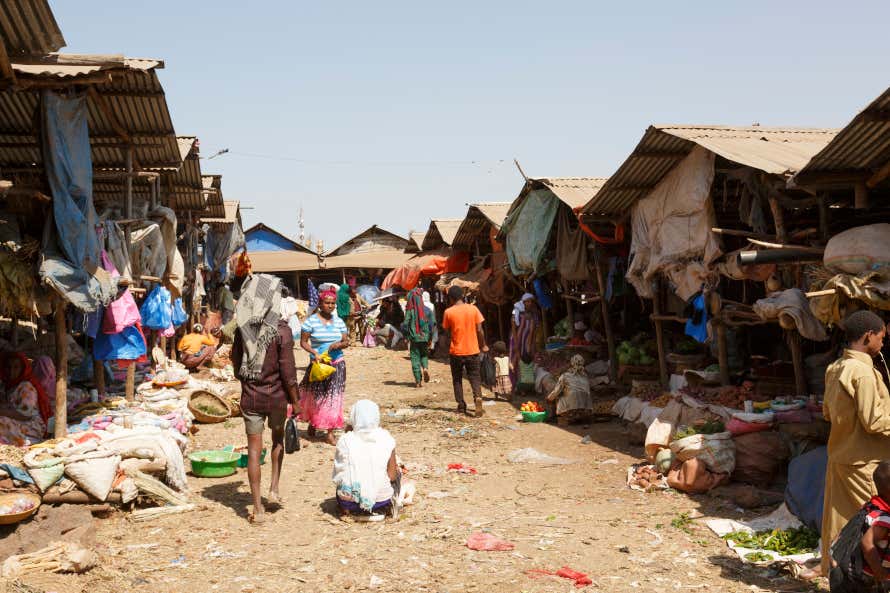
(321, 402)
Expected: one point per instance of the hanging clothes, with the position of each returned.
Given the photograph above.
(697, 324)
(572, 256)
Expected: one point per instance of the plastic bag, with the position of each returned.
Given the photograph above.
(487, 371)
(291, 436)
(486, 542)
(157, 311)
(127, 345)
(369, 341)
(321, 368)
(179, 314)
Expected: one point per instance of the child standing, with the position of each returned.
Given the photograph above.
(503, 388)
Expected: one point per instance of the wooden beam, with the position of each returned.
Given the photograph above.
(800, 377)
(100, 102)
(604, 308)
(26, 82)
(659, 335)
(778, 218)
(861, 196)
(745, 234)
(61, 411)
(879, 176)
(722, 352)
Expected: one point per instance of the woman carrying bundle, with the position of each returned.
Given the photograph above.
(417, 329)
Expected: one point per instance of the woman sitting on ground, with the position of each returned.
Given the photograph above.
(365, 470)
(26, 409)
(570, 400)
(196, 348)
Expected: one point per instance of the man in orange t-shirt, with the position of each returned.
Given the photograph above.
(463, 322)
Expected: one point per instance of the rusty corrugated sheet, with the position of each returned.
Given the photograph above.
(440, 233)
(780, 151)
(859, 149)
(28, 27)
(479, 216)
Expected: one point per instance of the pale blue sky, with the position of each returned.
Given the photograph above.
(397, 112)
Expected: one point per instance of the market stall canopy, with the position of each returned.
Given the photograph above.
(369, 240)
(436, 263)
(440, 234)
(415, 241)
(282, 261)
(372, 260)
(232, 215)
(478, 216)
(779, 151)
(126, 107)
(27, 28)
(213, 195)
(373, 248)
(860, 152)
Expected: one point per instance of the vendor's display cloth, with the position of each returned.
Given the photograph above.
(362, 457)
(528, 231)
(257, 314)
(792, 302)
(781, 518)
(672, 229)
(872, 289)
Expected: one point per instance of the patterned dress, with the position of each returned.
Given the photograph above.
(321, 402)
(23, 398)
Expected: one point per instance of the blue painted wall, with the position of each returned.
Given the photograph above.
(263, 240)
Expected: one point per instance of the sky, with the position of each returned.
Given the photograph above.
(393, 113)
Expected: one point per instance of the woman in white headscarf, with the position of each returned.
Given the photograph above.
(365, 470)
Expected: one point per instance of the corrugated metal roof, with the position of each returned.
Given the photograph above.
(212, 185)
(859, 149)
(28, 27)
(135, 100)
(295, 244)
(387, 259)
(415, 240)
(572, 191)
(780, 151)
(347, 246)
(232, 215)
(479, 216)
(441, 233)
(283, 261)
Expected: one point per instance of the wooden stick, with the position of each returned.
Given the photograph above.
(53, 496)
(61, 411)
(659, 335)
(130, 387)
(800, 378)
(676, 318)
(778, 218)
(782, 246)
(607, 323)
(99, 375)
(722, 352)
(746, 234)
(819, 293)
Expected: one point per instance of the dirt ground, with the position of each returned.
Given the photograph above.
(579, 515)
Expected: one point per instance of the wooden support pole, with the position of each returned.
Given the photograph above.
(99, 375)
(659, 335)
(61, 411)
(130, 387)
(502, 331)
(800, 377)
(722, 352)
(14, 333)
(860, 200)
(823, 217)
(779, 219)
(607, 322)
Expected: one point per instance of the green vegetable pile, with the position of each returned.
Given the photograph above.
(758, 557)
(707, 427)
(631, 354)
(786, 542)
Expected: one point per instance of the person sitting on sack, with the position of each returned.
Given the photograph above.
(570, 400)
(366, 473)
(196, 348)
(387, 334)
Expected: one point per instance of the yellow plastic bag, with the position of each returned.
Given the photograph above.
(321, 368)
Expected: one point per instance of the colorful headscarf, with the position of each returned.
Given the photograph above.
(415, 312)
(344, 301)
(43, 403)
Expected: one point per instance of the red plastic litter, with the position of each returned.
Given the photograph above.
(460, 467)
(486, 542)
(581, 579)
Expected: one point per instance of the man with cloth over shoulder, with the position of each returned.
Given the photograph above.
(857, 404)
(263, 358)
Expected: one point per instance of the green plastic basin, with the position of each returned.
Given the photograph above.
(242, 461)
(534, 416)
(214, 464)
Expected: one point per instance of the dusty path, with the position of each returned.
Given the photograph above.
(580, 515)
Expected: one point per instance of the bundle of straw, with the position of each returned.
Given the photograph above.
(57, 557)
(155, 489)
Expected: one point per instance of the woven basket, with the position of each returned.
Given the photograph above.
(205, 399)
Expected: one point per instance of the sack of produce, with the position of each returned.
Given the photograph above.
(758, 457)
(659, 434)
(794, 417)
(692, 476)
(860, 249)
(94, 472)
(738, 427)
(44, 469)
(717, 451)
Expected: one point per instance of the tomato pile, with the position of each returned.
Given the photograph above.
(531, 407)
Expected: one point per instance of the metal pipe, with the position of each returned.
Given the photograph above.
(771, 256)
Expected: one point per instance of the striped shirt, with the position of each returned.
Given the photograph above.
(322, 335)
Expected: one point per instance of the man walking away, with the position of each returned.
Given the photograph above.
(263, 358)
(463, 322)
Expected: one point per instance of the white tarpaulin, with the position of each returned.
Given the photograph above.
(671, 228)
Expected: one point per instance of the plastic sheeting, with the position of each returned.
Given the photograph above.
(528, 231)
(127, 345)
(408, 275)
(220, 246)
(175, 266)
(69, 170)
(148, 254)
(672, 228)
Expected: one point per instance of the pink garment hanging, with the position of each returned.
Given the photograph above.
(122, 312)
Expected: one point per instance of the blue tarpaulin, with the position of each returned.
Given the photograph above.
(805, 492)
